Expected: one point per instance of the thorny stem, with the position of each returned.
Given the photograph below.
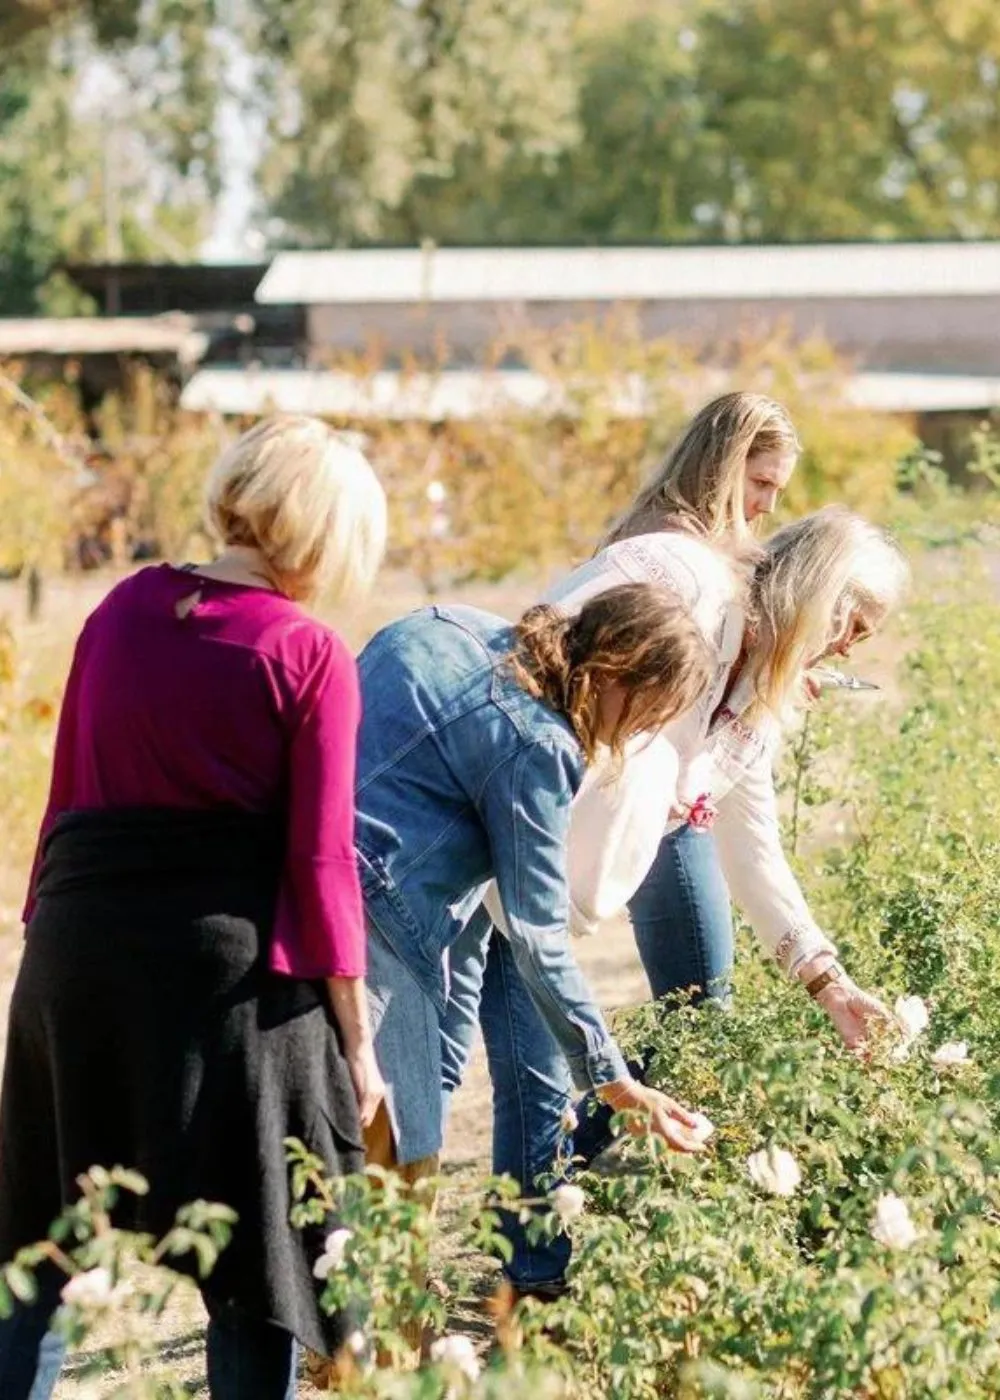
(801, 752)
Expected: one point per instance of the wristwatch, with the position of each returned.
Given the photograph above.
(829, 975)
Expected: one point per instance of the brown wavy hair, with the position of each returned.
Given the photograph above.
(637, 635)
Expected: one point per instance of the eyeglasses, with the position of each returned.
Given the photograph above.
(861, 630)
(852, 630)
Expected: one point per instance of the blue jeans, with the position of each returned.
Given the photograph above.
(246, 1359)
(683, 928)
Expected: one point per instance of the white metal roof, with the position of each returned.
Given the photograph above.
(465, 394)
(384, 394)
(102, 335)
(924, 393)
(414, 275)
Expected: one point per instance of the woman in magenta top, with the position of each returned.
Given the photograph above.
(242, 702)
(192, 988)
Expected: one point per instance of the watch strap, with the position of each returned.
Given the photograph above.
(826, 978)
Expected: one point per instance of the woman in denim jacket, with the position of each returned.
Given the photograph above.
(475, 738)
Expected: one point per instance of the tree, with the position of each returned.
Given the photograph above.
(868, 118)
(105, 152)
(751, 119)
(33, 133)
(374, 106)
(111, 20)
(635, 172)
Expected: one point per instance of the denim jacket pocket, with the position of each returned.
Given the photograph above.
(391, 915)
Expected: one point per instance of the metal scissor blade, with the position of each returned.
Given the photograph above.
(839, 680)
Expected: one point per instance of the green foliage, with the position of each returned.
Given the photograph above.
(372, 105)
(687, 1262)
(773, 120)
(481, 121)
(107, 151)
(118, 1283)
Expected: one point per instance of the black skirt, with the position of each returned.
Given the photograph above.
(146, 1031)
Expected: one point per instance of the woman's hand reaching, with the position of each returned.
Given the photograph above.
(856, 1014)
(650, 1111)
(369, 1086)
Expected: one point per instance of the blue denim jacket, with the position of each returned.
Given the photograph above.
(462, 778)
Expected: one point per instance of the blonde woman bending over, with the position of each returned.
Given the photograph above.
(192, 988)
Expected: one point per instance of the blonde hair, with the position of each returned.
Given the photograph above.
(699, 486)
(293, 489)
(637, 635)
(813, 575)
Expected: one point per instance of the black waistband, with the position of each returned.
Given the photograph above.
(88, 847)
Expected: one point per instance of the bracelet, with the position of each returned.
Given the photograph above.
(829, 975)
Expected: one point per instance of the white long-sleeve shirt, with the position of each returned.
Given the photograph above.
(621, 813)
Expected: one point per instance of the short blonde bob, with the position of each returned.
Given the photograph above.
(699, 486)
(294, 490)
(814, 575)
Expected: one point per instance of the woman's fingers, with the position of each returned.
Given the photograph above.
(679, 1111)
(675, 1132)
(370, 1107)
(369, 1086)
(670, 1121)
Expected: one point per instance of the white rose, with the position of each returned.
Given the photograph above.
(92, 1289)
(892, 1225)
(952, 1052)
(570, 1122)
(703, 1129)
(333, 1253)
(458, 1354)
(568, 1202)
(775, 1171)
(912, 1015)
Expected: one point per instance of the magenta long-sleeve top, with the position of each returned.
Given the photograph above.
(240, 701)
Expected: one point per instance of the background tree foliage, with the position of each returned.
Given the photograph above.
(493, 121)
(758, 119)
(376, 105)
(107, 138)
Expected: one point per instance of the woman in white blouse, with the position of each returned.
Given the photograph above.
(818, 587)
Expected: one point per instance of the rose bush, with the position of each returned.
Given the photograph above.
(859, 1258)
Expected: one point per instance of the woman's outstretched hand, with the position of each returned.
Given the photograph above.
(649, 1111)
(857, 1015)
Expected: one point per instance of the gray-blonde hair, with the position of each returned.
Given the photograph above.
(293, 489)
(813, 574)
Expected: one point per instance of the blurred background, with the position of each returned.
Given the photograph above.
(511, 243)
